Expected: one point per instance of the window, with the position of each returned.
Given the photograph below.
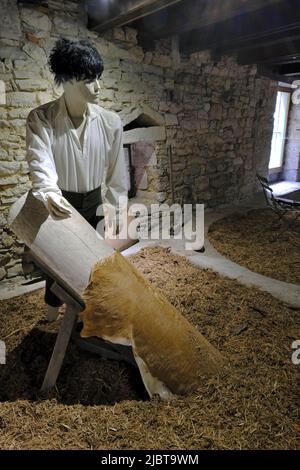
(279, 130)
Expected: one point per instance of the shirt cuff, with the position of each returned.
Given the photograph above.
(42, 193)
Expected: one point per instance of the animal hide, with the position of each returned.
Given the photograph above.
(122, 307)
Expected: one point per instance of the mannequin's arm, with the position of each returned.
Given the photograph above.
(42, 167)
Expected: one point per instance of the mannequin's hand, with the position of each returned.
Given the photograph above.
(58, 206)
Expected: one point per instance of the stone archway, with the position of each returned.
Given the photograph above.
(144, 132)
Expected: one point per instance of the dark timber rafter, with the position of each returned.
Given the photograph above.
(104, 15)
(263, 32)
(271, 23)
(191, 15)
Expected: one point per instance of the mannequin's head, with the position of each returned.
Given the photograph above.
(85, 91)
(77, 65)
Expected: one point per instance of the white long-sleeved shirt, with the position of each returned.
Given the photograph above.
(57, 160)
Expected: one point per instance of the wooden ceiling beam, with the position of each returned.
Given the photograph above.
(190, 15)
(290, 70)
(106, 14)
(275, 75)
(287, 51)
(271, 23)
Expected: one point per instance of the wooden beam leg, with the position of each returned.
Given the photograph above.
(60, 347)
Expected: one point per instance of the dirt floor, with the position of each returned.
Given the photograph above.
(260, 242)
(102, 404)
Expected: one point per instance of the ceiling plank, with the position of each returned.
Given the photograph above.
(272, 22)
(275, 75)
(285, 51)
(290, 70)
(104, 15)
(190, 15)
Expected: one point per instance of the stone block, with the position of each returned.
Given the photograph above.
(148, 57)
(10, 21)
(146, 134)
(36, 53)
(151, 69)
(119, 34)
(2, 220)
(238, 161)
(4, 155)
(66, 25)
(11, 53)
(36, 20)
(112, 74)
(43, 97)
(171, 120)
(110, 63)
(24, 168)
(18, 123)
(9, 168)
(18, 113)
(106, 95)
(161, 60)
(219, 181)
(9, 180)
(21, 74)
(110, 84)
(14, 271)
(7, 241)
(17, 190)
(2, 273)
(202, 183)
(136, 54)
(8, 200)
(130, 35)
(21, 99)
(216, 112)
(32, 84)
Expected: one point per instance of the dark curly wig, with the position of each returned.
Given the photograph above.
(77, 60)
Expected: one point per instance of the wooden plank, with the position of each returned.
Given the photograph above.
(103, 17)
(285, 51)
(290, 70)
(59, 351)
(274, 75)
(271, 23)
(105, 349)
(34, 2)
(66, 248)
(228, 40)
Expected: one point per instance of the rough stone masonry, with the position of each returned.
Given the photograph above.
(218, 116)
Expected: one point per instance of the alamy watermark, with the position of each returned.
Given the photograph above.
(2, 352)
(296, 93)
(296, 353)
(154, 222)
(2, 93)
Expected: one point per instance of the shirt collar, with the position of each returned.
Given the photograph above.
(62, 109)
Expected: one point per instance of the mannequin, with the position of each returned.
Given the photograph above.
(74, 146)
(77, 95)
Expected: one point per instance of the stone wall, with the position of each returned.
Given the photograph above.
(218, 115)
(291, 162)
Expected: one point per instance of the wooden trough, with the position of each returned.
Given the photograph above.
(66, 250)
(115, 302)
